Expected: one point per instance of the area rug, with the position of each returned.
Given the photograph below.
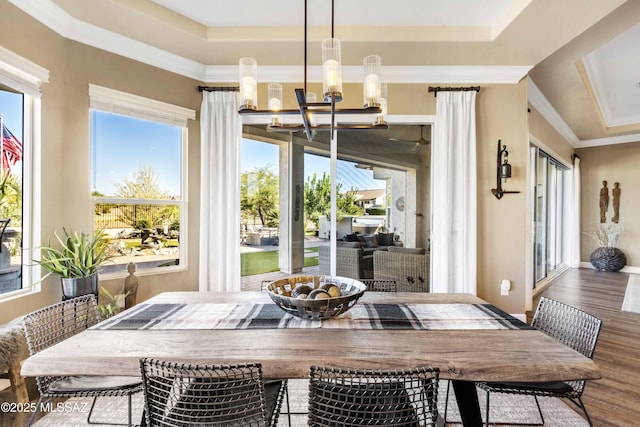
(632, 295)
(504, 409)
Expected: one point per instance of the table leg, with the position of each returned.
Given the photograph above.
(467, 398)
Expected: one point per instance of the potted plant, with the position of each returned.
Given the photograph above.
(76, 261)
(607, 257)
(115, 302)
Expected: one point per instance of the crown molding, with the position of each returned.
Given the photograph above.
(420, 74)
(58, 20)
(54, 17)
(610, 140)
(544, 107)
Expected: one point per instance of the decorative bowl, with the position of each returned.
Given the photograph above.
(281, 291)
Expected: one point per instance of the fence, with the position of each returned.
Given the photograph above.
(123, 216)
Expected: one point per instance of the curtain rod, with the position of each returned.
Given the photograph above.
(218, 88)
(437, 89)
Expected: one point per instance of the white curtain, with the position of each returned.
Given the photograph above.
(453, 163)
(574, 217)
(221, 133)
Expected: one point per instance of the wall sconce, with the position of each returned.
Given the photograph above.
(503, 171)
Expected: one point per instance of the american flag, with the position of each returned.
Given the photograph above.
(11, 149)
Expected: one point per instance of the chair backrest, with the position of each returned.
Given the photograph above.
(55, 323)
(409, 270)
(348, 398)
(374, 285)
(569, 325)
(198, 395)
(349, 261)
(572, 327)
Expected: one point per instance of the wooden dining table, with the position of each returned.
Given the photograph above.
(464, 354)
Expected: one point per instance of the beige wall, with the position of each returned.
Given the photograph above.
(543, 132)
(502, 226)
(501, 114)
(612, 163)
(65, 140)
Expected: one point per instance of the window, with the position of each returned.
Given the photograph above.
(20, 82)
(138, 153)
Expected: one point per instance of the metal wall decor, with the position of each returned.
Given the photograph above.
(503, 171)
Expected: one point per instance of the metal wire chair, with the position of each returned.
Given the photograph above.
(377, 285)
(572, 327)
(349, 398)
(55, 323)
(178, 394)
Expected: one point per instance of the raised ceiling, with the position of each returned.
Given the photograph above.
(581, 54)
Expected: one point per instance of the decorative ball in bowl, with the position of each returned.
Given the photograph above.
(315, 297)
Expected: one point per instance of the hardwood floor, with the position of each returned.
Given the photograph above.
(613, 400)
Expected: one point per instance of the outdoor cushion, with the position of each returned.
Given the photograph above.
(399, 249)
(90, 382)
(353, 237)
(348, 244)
(385, 239)
(371, 241)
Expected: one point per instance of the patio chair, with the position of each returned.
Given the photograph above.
(350, 261)
(179, 394)
(574, 328)
(409, 267)
(348, 398)
(376, 285)
(55, 323)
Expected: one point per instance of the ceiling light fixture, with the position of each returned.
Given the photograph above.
(374, 92)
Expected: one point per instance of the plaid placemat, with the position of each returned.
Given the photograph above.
(270, 316)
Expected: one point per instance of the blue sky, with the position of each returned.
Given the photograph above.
(124, 145)
(11, 110)
(259, 154)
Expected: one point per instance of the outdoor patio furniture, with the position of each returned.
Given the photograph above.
(350, 261)
(409, 267)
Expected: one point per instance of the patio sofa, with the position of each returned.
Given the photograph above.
(409, 267)
(371, 242)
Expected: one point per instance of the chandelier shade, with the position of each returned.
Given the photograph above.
(248, 84)
(371, 86)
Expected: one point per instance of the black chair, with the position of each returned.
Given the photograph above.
(178, 394)
(55, 323)
(378, 285)
(572, 327)
(350, 398)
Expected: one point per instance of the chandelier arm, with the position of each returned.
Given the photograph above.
(305, 49)
(302, 105)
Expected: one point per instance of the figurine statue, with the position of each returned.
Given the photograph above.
(130, 286)
(616, 202)
(604, 202)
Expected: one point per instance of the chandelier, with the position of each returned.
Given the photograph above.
(374, 92)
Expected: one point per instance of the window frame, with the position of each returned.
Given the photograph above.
(26, 77)
(112, 101)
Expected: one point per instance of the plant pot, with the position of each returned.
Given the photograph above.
(77, 286)
(608, 259)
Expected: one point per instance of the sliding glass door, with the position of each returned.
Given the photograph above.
(548, 180)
